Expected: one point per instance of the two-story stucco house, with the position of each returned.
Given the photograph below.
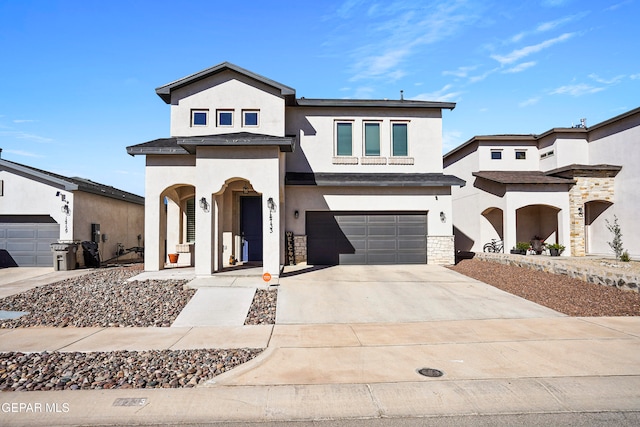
(562, 186)
(249, 165)
(38, 207)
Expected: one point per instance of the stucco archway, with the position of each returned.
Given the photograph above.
(596, 234)
(492, 224)
(537, 220)
(177, 225)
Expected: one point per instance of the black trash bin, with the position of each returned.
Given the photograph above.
(91, 254)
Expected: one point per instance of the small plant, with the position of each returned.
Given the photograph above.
(523, 246)
(556, 249)
(625, 257)
(616, 243)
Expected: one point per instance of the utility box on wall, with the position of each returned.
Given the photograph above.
(95, 233)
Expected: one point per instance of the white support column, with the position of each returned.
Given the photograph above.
(564, 231)
(204, 239)
(271, 233)
(155, 231)
(509, 227)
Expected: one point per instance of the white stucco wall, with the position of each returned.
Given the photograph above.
(508, 162)
(227, 91)
(24, 196)
(618, 145)
(315, 128)
(307, 198)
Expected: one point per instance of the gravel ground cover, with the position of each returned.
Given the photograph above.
(263, 308)
(570, 296)
(118, 369)
(102, 298)
(105, 298)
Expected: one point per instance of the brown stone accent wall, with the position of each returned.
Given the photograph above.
(585, 190)
(300, 248)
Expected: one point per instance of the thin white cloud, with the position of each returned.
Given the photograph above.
(530, 101)
(450, 140)
(618, 5)
(611, 81)
(404, 28)
(23, 135)
(635, 76)
(528, 50)
(479, 78)
(22, 153)
(460, 71)
(576, 90)
(443, 95)
(23, 121)
(547, 26)
(520, 67)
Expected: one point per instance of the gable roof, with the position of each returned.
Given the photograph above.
(69, 184)
(164, 92)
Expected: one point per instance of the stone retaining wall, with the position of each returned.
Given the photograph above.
(602, 275)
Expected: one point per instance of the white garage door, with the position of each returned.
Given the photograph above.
(28, 243)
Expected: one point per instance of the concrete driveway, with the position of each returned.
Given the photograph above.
(394, 293)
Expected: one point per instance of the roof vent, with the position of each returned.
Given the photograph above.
(401, 95)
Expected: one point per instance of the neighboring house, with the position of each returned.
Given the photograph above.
(562, 186)
(352, 181)
(38, 208)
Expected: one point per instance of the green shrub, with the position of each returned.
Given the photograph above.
(523, 246)
(625, 257)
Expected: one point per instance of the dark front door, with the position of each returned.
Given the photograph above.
(251, 227)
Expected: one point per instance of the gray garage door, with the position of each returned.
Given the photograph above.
(28, 243)
(366, 238)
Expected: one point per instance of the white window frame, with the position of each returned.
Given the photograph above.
(199, 111)
(364, 137)
(399, 122)
(221, 111)
(335, 136)
(244, 121)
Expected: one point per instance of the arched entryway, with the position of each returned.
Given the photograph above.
(491, 226)
(177, 225)
(240, 223)
(537, 221)
(596, 233)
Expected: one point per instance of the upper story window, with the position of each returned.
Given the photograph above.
(496, 154)
(521, 155)
(399, 141)
(199, 117)
(371, 139)
(250, 118)
(344, 139)
(225, 117)
(547, 154)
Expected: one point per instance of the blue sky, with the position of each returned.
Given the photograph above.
(78, 78)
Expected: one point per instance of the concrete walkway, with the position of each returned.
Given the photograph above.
(523, 359)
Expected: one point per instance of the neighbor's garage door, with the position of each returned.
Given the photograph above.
(366, 238)
(28, 243)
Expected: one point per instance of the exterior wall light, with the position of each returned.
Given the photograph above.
(443, 217)
(245, 189)
(204, 204)
(296, 214)
(580, 212)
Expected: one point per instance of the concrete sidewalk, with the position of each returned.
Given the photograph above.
(14, 280)
(520, 359)
(313, 372)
